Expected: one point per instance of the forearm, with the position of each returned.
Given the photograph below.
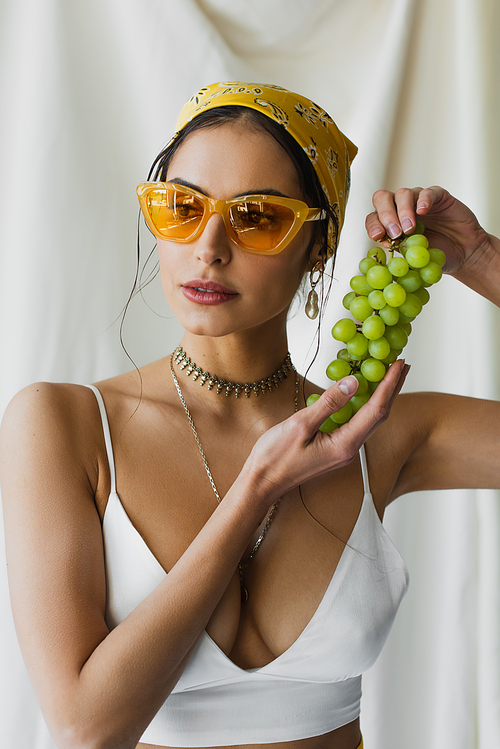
(482, 272)
(133, 669)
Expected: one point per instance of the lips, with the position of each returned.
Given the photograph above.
(207, 292)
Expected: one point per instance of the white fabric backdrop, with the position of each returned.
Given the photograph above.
(90, 92)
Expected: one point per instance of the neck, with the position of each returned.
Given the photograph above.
(237, 361)
(242, 358)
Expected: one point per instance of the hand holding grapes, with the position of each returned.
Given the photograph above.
(296, 449)
(449, 224)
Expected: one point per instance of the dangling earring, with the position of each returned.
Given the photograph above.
(312, 308)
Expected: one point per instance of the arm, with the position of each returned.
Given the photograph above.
(443, 441)
(98, 688)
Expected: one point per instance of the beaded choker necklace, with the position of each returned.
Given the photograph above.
(257, 387)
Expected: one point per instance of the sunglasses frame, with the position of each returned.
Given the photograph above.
(301, 210)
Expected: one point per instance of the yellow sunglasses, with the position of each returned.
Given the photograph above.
(257, 223)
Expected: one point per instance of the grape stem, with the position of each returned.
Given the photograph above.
(393, 243)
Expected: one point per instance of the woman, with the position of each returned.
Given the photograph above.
(282, 584)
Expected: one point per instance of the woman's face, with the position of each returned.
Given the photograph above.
(225, 162)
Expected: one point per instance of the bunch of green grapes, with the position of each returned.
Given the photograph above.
(384, 301)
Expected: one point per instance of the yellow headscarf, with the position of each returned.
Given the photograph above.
(329, 151)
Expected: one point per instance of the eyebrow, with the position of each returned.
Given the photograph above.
(263, 191)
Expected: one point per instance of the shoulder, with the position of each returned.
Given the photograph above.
(50, 432)
(45, 406)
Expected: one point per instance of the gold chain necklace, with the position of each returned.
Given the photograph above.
(274, 507)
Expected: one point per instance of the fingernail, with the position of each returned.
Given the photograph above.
(348, 385)
(407, 224)
(377, 231)
(393, 231)
(421, 205)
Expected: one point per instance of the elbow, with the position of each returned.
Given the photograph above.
(92, 736)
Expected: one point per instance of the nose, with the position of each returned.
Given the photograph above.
(214, 245)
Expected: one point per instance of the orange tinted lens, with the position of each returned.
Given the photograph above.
(261, 225)
(176, 214)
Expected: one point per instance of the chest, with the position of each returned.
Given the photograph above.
(163, 499)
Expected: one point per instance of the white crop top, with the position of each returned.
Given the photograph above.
(313, 687)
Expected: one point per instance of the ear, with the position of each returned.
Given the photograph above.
(321, 252)
(317, 255)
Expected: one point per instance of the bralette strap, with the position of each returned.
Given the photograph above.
(107, 436)
(364, 469)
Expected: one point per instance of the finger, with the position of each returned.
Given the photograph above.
(406, 200)
(331, 401)
(427, 198)
(384, 203)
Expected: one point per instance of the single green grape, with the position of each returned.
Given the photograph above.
(337, 369)
(393, 355)
(357, 346)
(411, 281)
(396, 337)
(379, 348)
(343, 354)
(405, 318)
(437, 256)
(344, 329)
(419, 227)
(412, 306)
(417, 256)
(362, 383)
(360, 285)
(365, 264)
(379, 276)
(373, 327)
(398, 266)
(312, 399)
(416, 240)
(376, 299)
(373, 370)
(357, 401)
(394, 294)
(378, 254)
(343, 414)
(328, 426)
(431, 274)
(406, 326)
(361, 308)
(422, 294)
(390, 315)
(346, 301)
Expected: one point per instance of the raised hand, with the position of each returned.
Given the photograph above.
(449, 224)
(294, 450)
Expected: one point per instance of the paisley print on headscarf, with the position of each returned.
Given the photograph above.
(327, 148)
(312, 151)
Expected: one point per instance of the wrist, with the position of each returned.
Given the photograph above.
(254, 490)
(481, 271)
